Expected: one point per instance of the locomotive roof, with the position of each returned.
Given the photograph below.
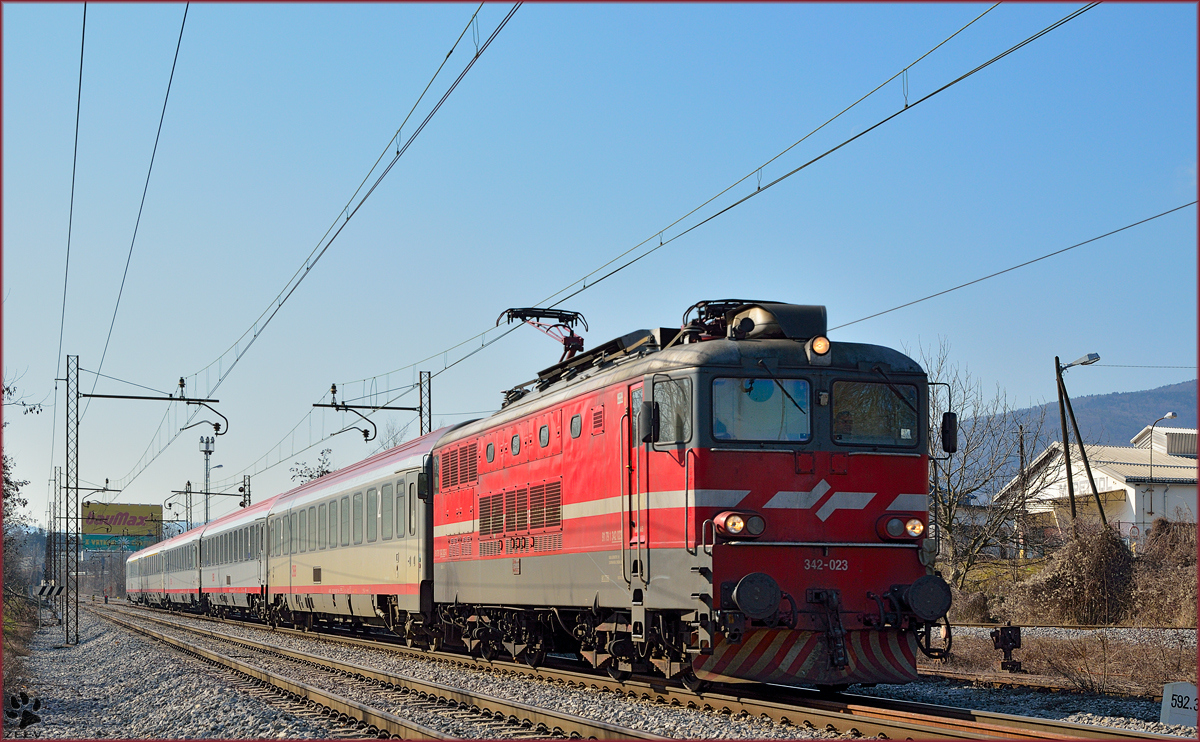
(717, 353)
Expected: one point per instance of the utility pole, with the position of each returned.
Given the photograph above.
(1083, 453)
(188, 490)
(1062, 415)
(206, 447)
(426, 395)
(72, 512)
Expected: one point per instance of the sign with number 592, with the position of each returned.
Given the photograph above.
(1179, 704)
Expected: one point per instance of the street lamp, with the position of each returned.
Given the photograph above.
(1150, 488)
(1086, 360)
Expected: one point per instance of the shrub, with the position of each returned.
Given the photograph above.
(1164, 582)
(1088, 581)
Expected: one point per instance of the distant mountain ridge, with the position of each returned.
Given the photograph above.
(1112, 419)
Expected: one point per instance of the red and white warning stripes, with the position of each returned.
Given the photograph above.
(788, 656)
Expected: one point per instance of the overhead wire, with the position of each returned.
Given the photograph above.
(320, 250)
(141, 206)
(62, 322)
(733, 185)
(759, 190)
(488, 342)
(1013, 268)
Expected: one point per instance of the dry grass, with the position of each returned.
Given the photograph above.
(20, 623)
(1093, 663)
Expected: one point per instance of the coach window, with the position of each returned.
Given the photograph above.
(345, 521)
(385, 515)
(300, 533)
(358, 517)
(372, 515)
(333, 524)
(312, 528)
(674, 398)
(295, 540)
(412, 508)
(321, 526)
(490, 452)
(576, 426)
(400, 509)
(544, 436)
(875, 414)
(758, 409)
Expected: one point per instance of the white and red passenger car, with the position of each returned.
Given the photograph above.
(739, 500)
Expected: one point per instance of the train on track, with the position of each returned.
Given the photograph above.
(738, 500)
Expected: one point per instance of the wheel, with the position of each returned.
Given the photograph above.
(488, 651)
(691, 682)
(534, 658)
(618, 674)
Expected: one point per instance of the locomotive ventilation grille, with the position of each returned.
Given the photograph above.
(520, 510)
(460, 466)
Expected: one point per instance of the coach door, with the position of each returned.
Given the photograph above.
(413, 560)
(637, 504)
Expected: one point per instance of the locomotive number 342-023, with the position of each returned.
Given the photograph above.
(833, 565)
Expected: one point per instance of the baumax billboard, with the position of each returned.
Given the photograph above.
(116, 519)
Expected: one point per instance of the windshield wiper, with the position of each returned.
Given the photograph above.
(779, 384)
(895, 391)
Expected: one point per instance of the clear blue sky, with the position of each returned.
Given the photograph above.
(582, 131)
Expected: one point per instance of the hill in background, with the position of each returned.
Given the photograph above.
(1112, 419)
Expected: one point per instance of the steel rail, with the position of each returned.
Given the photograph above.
(855, 714)
(555, 722)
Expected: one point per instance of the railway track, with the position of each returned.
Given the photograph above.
(844, 713)
(495, 717)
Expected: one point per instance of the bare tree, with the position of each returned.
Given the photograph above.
(302, 472)
(393, 435)
(971, 520)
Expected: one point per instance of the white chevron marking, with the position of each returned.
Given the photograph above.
(910, 502)
(798, 500)
(844, 501)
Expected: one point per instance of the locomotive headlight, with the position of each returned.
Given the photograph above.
(755, 525)
(820, 345)
(734, 524)
(914, 527)
(895, 527)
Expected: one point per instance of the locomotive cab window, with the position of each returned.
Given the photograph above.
(759, 409)
(875, 414)
(674, 398)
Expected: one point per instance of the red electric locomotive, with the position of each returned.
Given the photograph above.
(741, 500)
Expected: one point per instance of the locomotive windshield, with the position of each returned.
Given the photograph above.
(757, 409)
(876, 414)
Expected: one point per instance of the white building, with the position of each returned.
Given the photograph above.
(1137, 484)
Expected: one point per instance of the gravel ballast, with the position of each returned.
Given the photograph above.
(114, 685)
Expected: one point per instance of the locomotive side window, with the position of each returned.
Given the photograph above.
(358, 517)
(576, 426)
(345, 524)
(322, 524)
(875, 414)
(490, 451)
(674, 397)
(758, 409)
(385, 515)
(516, 444)
(333, 524)
(372, 515)
(544, 436)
